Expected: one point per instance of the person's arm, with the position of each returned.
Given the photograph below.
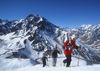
(52, 52)
(78, 47)
(65, 43)
(75, 46)
(46, 58)
(58, 52)
(42, 58)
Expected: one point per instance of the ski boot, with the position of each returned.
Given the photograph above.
(64, 64)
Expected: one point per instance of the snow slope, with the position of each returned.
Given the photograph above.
(30, 65)
(38, 68)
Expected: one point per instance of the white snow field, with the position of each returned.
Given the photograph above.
(29, 65)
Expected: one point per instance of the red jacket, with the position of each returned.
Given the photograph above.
(68, 52)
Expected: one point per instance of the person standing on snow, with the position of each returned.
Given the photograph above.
(54, 55)
(68, 47)
(44, 60)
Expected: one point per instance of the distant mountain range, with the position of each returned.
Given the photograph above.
(35, 27)
(89, 35)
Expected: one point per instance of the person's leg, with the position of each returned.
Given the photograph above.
(68, 61)
(43, 65)
(54, 61)
(65, 61)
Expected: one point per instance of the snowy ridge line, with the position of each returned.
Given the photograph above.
(4, 53)
(88, 53)
(16, 37)
(79, 42)
(94, 62)
(33, 59)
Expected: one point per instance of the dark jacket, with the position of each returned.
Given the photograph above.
(54, 54)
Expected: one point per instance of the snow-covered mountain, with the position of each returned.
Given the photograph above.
(92, 38)
(29, 38)
(89, 35)
(3, 22)
(79, 31)
(37, 28)
(39, 31)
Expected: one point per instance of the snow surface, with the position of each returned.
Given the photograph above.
(38, 68)
(29, 52)
(30, 65)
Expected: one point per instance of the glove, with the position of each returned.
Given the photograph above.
(80, 47)
(50, 54)
(69, 45)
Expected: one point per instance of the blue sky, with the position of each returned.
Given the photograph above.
(63, 13)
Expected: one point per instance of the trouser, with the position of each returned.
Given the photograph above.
(67, 60)
(54, 61)
(44, 63)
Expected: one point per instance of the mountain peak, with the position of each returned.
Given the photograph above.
(31, 15)
(3, 22)
(0, 20)
(86, 26)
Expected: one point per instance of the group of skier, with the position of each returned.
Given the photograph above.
(67, 49)
(54, 53)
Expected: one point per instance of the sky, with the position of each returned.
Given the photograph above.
(62, 13)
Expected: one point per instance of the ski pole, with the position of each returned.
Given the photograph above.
(78, 60)
(48, 62)
(60, 59)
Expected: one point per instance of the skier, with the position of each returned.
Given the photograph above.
(44, 60)
(68, 47)
(54, 55)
